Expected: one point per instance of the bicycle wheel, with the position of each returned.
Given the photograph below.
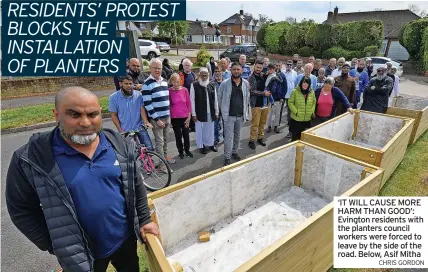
(155, 170)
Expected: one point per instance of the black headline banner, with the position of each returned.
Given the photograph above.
(73, 38)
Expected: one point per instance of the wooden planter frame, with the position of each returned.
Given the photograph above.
(388, 158)
(420, 116)
(309, 247)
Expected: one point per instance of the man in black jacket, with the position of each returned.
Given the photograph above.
(75, 191)
(377, 92)
(138, 77)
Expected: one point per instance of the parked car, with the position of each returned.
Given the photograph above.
(163, 46)
(377, 61)
(149, 49)
(233, 52)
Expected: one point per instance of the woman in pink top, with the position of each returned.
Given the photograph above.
(328, 97)
(180, 110)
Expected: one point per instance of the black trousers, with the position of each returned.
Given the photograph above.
(296, 128)
(181, 133)
(124, 259)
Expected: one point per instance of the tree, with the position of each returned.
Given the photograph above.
(290, 20)
(417, 10)
(168, 29)
(264, 19)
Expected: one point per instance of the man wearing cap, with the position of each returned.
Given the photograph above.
(203, 97)
(369, 67)
(338, 70)
(376, 94)
(347, 85)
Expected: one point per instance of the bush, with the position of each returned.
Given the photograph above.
(358, 35)
(203, 56)
(338, 52)
(319, 36)
(412, 37)
(274, 34)
(401, 35)
(306, 51)
(295, 37)
(424, 48)
(261, 36)
(371, 50)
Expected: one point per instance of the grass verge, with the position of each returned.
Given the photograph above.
(29, 115)
(142, 258)
(409, 179)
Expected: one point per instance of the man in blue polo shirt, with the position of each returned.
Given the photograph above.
(75, 191)
(127, 111)
(246, 69)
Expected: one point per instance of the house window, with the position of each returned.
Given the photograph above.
(228, 29)
(243, 27)
(189, 38)
(249, 28)
(209, 38)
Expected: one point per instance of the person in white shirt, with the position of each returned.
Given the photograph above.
(396, 92)
(338, 71)
(291, 76)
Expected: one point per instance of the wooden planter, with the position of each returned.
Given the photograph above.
(378, 139)
(271, 212)
(416, 108)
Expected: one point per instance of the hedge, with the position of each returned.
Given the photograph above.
(424, 48)
(274, 34)
(412, 37)
(261, 36)
(354, 39)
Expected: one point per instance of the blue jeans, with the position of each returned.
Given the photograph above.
(144, 138)
(217, 129)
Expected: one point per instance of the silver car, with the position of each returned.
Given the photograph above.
(163, 47)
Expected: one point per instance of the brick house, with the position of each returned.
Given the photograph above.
(393, 21)
(239, 28)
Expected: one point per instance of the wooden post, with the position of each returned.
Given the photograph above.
(298, 165)
(356, 118)
(153, 215)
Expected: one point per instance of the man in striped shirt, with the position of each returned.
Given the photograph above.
(156, 101)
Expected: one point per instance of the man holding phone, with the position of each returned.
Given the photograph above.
(136, 74)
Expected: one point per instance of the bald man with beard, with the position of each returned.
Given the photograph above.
(79, 183)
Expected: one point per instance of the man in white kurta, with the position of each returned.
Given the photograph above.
(203, 97)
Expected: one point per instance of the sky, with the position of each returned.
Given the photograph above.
(218, 11)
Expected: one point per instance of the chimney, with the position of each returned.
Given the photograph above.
(241, 12)
(330, 17)
(336, 10)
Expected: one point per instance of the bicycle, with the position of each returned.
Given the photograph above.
(153, 168)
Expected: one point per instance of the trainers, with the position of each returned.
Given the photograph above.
(269, 129)
(181, 155)
(252, 145)
(169, 160)
(189, 154)
(277, 130)
(214, 148)
(236, 157)
(226, 162)
(261, 142)
(203, 150)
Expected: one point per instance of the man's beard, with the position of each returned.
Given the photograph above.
(344, 75)
(204, 83)
(295, 61)
(238, 76)
(127, 92)
(137, 72)
(360, 70)
(380, 77)
(78, 139)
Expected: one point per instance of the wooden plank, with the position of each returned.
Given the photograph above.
(403, 112)
(343, 157)
(357, 152)
(181, 185)
(423, 124)
(153, 215)
(356, 119)
(298, 165)
(157, 255)
(414, 114)
(383, 114)
(395, 151)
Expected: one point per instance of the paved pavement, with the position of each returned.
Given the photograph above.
(19, 255)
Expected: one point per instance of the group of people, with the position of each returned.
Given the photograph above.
(224, 95)
(48, 195)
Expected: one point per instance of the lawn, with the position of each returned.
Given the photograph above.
(29, 115)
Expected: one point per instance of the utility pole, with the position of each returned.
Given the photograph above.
(176, 43)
